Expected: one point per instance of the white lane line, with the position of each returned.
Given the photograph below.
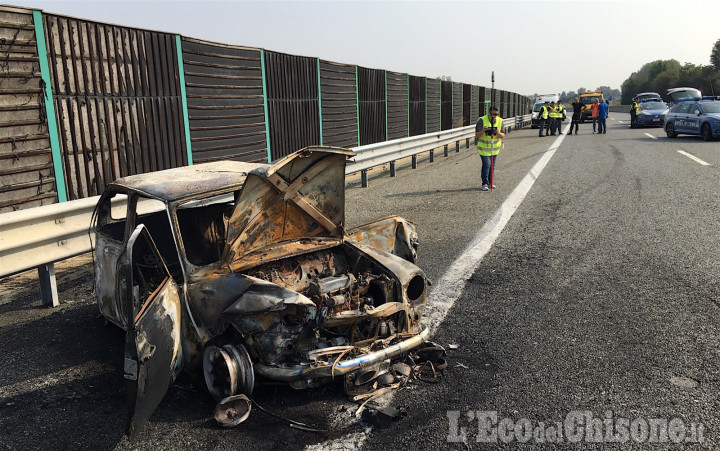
(451, 285)
(83, 371)
(622, 122)
(693, 157)
(651, 136)
(448, 289)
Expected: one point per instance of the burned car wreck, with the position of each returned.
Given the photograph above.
(244, 272)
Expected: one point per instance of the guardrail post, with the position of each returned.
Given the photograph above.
(48, 285)
(467, 143)
(457, 146)
(432, 155)
(445, 150)
(414, 161)
(363, 179)
(392, 169)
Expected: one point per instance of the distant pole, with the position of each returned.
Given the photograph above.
(492, 137)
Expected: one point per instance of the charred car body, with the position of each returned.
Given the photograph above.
(245, 272)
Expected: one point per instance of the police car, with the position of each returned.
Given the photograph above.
(694, 117)
(652, 113)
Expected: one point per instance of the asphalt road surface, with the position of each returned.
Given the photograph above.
(581, 298)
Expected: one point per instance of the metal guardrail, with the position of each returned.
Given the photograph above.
(39, 237)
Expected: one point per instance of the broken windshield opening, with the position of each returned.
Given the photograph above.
(203, 225)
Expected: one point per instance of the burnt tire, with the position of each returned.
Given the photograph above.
(670, 130)
(706, 132)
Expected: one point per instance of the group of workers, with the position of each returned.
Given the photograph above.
(551, 117)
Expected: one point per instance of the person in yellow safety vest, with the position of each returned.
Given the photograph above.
(634, 110)
(560, 115)
(489, 136)
(543, 115)
(553, 117)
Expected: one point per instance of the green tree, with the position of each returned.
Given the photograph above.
(715, 55)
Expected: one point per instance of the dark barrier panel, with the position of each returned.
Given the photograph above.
(397, 109)
(371, 105)
(293, 107)
(474, 105)
(418, 105)
(466, 97)
(226, 108)
(446, 101)
(484, 99)
(433, 105)
(117, 98)
(338, 93)
(457, 105)
(26, 166)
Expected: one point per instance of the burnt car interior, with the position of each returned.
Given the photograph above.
(205, 227)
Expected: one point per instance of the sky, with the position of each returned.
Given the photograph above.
(532, 46)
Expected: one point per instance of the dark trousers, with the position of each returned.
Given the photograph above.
(542, 126)
(633, 118)
(575, 123)
(551, 126)
(602, 125)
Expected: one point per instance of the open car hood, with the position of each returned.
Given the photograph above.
(301, 196)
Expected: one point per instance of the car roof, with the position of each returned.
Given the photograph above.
(187, 182)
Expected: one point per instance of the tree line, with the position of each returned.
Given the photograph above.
(661, 75)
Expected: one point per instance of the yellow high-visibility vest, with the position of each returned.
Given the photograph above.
(554, 112)
(484, 142)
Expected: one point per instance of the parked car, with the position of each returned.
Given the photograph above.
(535, 120)
(683, 94)
(245, 272)
(645, 96)
(652, 113)
(694, 117)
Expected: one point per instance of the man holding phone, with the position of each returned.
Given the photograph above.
(489, 136)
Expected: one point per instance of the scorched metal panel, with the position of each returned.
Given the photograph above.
(457, 105)
(446, 110)
(26, 169)
(417, 105)
(433, 105)
(397, 109)
(225, 101)
(293, 105)
(371, 105)
(474, 104)
(338, 89)
(117, 102)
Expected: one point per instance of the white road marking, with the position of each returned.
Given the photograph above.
(622, 122)
(651, 136)
(693, 157)
(451, 285)
(83, 371)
